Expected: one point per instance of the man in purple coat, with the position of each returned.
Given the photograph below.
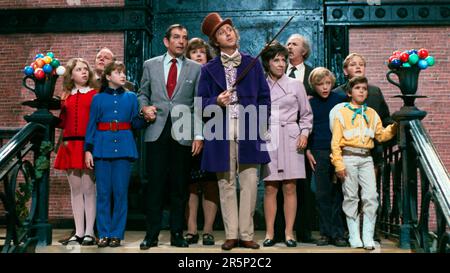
(234, 146)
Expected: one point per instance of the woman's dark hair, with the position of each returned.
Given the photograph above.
(196, 43)
(271, 52)
(354, 81)
(116, 65)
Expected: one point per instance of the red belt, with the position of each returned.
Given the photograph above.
(113, 126)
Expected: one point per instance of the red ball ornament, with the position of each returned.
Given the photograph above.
(39, 74)
(391, 58)
(34, 65)
(423, 53)
(404, 57)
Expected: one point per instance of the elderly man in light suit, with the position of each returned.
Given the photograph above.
(168, 86)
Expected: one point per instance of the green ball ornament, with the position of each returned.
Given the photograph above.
(430, 60)
(413, 59)
(55, 63)
(406, 65)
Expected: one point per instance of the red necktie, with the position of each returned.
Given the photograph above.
(172, 78)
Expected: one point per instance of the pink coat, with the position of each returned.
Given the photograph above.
(289, 100)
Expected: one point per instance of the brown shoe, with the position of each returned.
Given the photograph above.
(249, 244)
(229, 244)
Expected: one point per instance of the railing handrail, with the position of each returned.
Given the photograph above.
(17, 142)
(433, 166)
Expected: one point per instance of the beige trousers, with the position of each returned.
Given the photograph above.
(238, 219)
(360, 172)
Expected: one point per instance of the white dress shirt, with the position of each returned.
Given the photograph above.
(299, 73)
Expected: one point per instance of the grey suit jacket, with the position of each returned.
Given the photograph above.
(180, 108)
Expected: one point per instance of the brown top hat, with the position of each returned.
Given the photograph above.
(213, 22)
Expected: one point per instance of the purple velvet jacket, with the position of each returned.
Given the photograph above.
(252, 90)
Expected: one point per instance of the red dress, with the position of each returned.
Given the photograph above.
(74, 119)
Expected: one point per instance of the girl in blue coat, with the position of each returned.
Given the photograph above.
(110, 149)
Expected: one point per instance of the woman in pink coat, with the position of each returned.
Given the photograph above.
(288, 139)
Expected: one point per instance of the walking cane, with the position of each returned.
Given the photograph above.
(250, 65)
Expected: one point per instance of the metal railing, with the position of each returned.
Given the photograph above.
(19, 196)
(411, 180)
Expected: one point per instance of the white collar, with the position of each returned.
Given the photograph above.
(168, 58)
(83, 90)
(299, 66)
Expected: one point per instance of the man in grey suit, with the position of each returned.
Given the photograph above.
(166, 99)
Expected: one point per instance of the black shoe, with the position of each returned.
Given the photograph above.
(290, 243)
(148, 243)
(64, 241)
(208, 239)
(191, 238)
(103, 242)
(114, 242)
(268, 243)
(88, 240)
(340, 242)
(177, 239)
(323, 241)
(73, 240)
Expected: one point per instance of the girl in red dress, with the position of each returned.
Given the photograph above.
(75, 103)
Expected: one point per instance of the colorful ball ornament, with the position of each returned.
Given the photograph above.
(40, 55)
(40, 62)
(430, 60)
(55, 63)
(39, 74)
(28, 70)
(423, 64)
(396, 53)
(47, 59)
(60, 70)
(423, 53)
(413, 58)
(47, 68)
(404, 57)
(396, 62)
(406, 65)
(391, 58)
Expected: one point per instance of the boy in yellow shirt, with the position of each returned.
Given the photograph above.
(354, 127)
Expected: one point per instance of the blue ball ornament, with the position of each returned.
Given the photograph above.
(423, 64)
(396, 63)
(40, 55)
(50, 54)
(28, 70)
(47, 69)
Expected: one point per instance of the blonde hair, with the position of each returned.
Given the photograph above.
(318, 74)
(349, 58)
(68, 83)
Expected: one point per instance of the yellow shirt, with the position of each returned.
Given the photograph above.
(360, 134)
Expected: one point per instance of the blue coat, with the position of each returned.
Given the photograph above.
(107, 106)
(252, 90)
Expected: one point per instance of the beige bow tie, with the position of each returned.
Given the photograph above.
(234, 61)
